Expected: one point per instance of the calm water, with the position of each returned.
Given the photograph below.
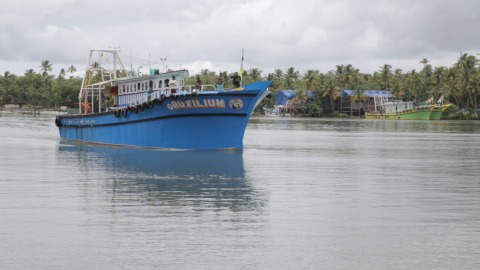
(303, 194)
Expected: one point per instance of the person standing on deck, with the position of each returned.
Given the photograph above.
(173, 84)
(236, 80)
(199, 83)
(220, 81)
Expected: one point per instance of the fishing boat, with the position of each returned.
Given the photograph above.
(158, 110)
(269, 111)
(438, 108)
(391, 109)
(437, 111)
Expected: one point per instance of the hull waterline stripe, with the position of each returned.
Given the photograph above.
(152, 119)
(143, 147)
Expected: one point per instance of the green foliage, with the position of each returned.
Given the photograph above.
(458, 84)
(314, 109)
(460, 115)
(39, 89)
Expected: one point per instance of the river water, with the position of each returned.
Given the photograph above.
(303, 194)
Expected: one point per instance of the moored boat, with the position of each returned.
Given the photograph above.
(388, 109)
(157, 110)
(438, 108)
(437, 111)
(270, 111)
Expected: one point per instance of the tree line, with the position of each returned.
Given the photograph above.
(459, 84)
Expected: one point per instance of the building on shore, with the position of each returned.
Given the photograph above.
(356, 104)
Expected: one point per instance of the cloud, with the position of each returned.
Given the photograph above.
(305, 34)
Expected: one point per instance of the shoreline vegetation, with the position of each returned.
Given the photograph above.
(458, 84)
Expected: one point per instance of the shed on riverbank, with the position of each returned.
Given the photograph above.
(289, 101)
(353, 106)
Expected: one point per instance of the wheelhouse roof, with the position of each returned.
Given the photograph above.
(368, 93)
(283, 95)
(179, 74)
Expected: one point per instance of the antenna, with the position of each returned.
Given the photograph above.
(149, 67)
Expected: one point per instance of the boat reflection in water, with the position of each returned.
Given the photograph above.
(202, 179)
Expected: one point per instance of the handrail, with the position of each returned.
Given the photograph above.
(167, 91)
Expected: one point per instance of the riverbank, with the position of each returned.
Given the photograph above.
(29, 111)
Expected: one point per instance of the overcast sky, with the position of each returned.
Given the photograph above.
(210, 34)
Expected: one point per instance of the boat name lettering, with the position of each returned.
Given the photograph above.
(197, 104)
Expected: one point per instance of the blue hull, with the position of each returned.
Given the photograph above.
(209, 120)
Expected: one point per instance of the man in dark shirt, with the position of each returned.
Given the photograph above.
(236, 80)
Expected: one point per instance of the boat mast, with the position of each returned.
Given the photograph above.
(103, 67)
(81, 94)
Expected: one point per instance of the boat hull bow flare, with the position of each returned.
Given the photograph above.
(150, 112)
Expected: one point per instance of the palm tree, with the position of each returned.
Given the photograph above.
(29, 72)
(278, 79)
(385, 73)
(291, 78)
(413, 84)
(62, 73)
(255, 74)
(45, 67)
(348, 76)
(330, 89)
(398, 82)
(311, 80)
(71, 69)
(450, 81)
(468, 72)
(437, 90)
(355, 77)
(424, 61)
(359, 96)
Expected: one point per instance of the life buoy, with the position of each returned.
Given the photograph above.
(194, 95)
(124, 112)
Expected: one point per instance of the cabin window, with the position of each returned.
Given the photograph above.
(123, 89)
(138, 86)
(151, 85)
(160, 84)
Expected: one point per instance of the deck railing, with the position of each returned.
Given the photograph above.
(167, 91)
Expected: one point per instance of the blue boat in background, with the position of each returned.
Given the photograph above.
(157, 110)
